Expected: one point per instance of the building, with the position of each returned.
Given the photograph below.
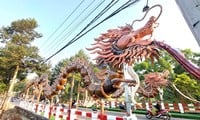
(191, 12)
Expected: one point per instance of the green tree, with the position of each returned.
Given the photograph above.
(164, 63)
(77, 78)
(177, 73)
(182, 78)
(80, 54)
(58, 69)
(20, 86)
(196, 58)
(17, 55)
(190, 56)
(18, 51)
(188, 86)
(2, 87)
(63, 63)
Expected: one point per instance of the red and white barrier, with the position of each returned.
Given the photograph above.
(59, 112)
(179, 107)
(63, 113)
(47, 111)
(95, 116)
(40, 109)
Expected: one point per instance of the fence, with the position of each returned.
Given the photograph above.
(59, 112)
(178, 107)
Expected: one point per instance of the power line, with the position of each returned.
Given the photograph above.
(112, 3)
(96, 7)
(125, 5)
(76, 8)
(59, 41)
(94, 19)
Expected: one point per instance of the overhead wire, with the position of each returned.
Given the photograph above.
(98, 16)
(78, 36)
(75, 9)
(111, 4)
(59, 41)
(106, 8)
(127, 4)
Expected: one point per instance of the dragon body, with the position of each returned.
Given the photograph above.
(187, 65)
(103, 84)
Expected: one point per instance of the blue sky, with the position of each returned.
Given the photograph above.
(51, 13)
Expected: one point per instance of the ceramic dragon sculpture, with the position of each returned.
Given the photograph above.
(152, 82)
(37, 85)
(117, 47)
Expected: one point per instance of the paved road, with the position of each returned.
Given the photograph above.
(121, 114)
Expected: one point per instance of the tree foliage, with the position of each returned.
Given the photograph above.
(18, 51)
(193, 57)
(188, 86)
(63, 63)
(164, 63)
(3, 87)
(184, 81)
(60, 67)
(181, 78)
(19, 86)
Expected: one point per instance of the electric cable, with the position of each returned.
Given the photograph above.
(112, 3)
(60, 40)
(76, 8)
(111, 15)
(101, 13)
(127, 4)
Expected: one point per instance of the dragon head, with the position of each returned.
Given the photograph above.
(123, 45)
(126, 45)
